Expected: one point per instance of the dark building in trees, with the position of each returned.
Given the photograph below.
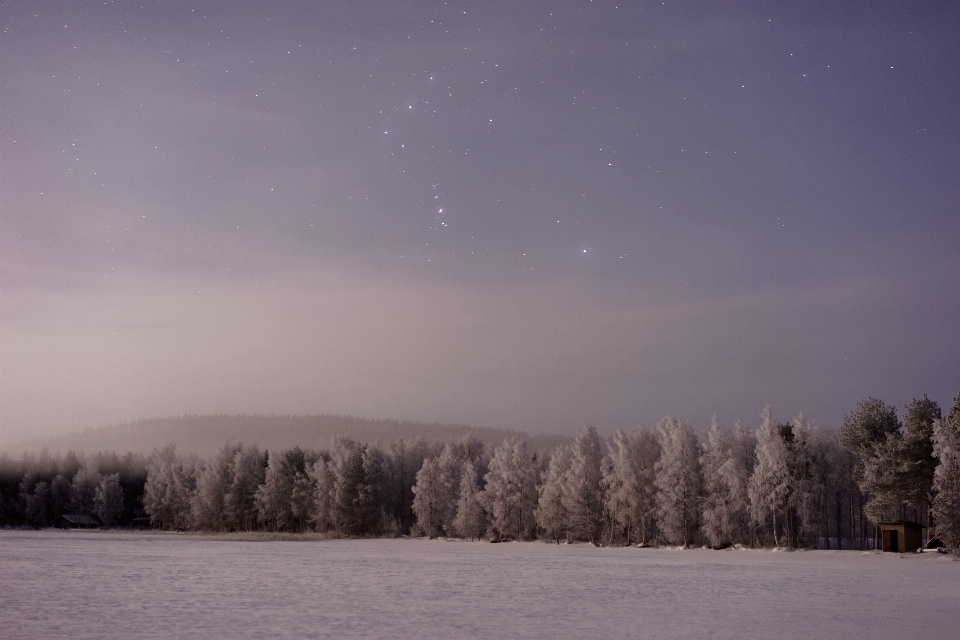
(901, 536)
(77, 522)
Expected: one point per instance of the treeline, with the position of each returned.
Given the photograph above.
(797, 484)
(37, 490)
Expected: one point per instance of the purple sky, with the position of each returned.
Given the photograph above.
(531, 215)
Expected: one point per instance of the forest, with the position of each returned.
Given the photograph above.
(794, 484)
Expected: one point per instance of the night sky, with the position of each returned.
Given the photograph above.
(532, 215)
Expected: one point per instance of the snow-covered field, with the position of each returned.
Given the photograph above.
(111, 585)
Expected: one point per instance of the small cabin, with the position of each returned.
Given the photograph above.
(76, 522)
(901, 536)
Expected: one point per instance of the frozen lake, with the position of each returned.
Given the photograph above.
(111, 585)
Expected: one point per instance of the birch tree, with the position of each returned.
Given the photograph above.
(510, 491)
(719, 508)
(551, 512)
(168, 490)
(469, 521)
(677, 481)
(213, 486)
(108, 499)
(770, 486)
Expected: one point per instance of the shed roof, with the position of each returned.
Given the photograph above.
(80, 519)
(910, 524)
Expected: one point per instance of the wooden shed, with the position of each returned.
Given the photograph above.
(901, 536)
(76, 522)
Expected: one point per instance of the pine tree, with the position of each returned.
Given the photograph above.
(59, 495)
(249, 473)
(274, 499)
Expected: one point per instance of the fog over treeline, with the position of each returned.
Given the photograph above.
(795, 483)
(205, 434)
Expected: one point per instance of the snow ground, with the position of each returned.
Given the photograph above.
(106, 585)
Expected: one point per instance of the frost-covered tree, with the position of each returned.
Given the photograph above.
(324, 483)
(436, 493)
(872, 432)
(83, 491)
(302, 507)
(510, 492)
(551, 512)
(816, 449)
(354, 513)
(469, 521)
(629, 489)
(770, 487)
(214, 484)
(274, 499)
(428, 499)
(405, 459)
(108, 499)
(677, 481)
(583, 497)
(249, 473)
(946, 483)
(916, 468)
(168, 490)
(721, 480)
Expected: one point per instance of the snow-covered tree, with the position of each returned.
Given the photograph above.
(629, 489)
(354, 513)
(551, 512)
(770, 486)
(249, 473)
(213, 486)
(873, 433)
(168, 490)
(109, 499)
(946, 483)
(324, 483)
(720, 520)
(510, 492)
(469, 521)
(677, 481)
(274, 499)
(436, 493)
(583, 496)
(83, 491)
(405, 459)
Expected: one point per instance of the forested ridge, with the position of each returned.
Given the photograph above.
(796, 484)
(204, 434)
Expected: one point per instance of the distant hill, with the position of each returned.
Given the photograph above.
(205, 434)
